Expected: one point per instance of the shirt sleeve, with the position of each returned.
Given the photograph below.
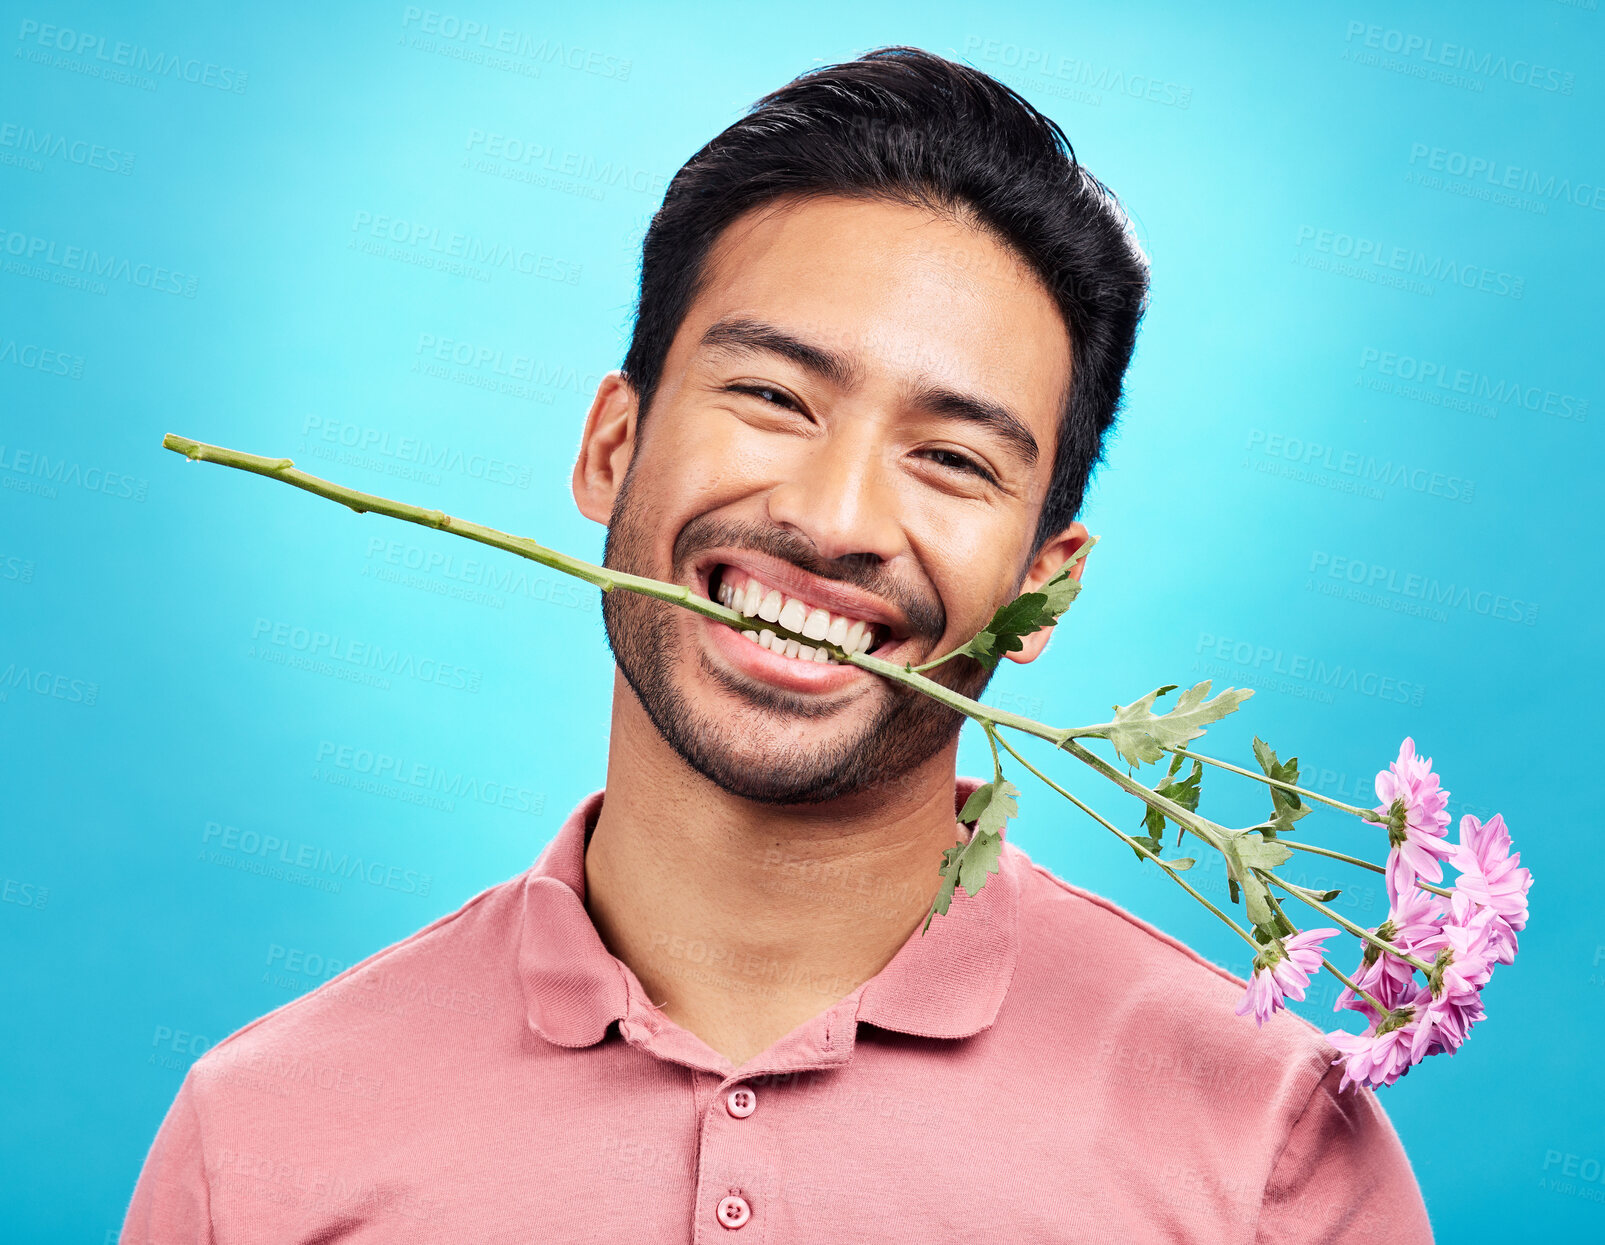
(172, 1203)
(1343, 1177)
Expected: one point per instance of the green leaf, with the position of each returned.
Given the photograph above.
(1027, 613)
(990, 806)
(1278, 927)
(1184, 791)
(980, 858)
(950, 877)
(1246, 851)
(1286, 807)
(1139, 734)
(968, 864)
(1257, 899)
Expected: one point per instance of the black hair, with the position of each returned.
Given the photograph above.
(905, 125)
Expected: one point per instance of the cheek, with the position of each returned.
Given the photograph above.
(970, 567)
(715, 459)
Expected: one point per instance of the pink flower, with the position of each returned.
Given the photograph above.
(1282, 974)
(1443, 1023)
(1471, 951)
(1414, 917)
(1418, 819)
(1464, 954)
(1378, 1057)
(1490, 877)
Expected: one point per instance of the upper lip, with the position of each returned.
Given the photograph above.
(827, 594)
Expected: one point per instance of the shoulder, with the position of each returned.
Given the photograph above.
(447, 983)
(1150, 1008)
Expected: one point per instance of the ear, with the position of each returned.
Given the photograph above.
(1058, 550)
(606, 447)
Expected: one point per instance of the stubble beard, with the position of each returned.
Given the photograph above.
(905, 730)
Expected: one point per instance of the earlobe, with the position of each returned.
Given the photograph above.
(606, 447)
(1054, 554)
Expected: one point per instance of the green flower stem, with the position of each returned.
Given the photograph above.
(1203, 828)
(1366, 995)
(1366, 813)
(992, 738)
(1298, 892)
(1131, 842)
(1355, 860)
(284, 470)
(607, 580)
(991, 719)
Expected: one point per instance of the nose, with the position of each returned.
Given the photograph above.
(839, 497)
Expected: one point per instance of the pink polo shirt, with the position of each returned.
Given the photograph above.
(1039, 1066)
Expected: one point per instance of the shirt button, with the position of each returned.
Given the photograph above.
(741, 1102)
(733, 1211)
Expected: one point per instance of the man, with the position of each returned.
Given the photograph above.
(882, 330)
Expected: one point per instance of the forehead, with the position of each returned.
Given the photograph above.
(906, 292)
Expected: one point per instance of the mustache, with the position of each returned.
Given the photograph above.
(926, 615)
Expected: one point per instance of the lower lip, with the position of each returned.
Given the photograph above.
(771, 667)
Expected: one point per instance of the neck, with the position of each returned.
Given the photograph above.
(744, 920)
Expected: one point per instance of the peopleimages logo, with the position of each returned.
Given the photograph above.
(1500, 175)
(1428, 52)
(539, 49)
(67, 264)
(41, 358)
(382, 767)
(507, 365)
(412, 452)
(29, 471)
(30, 144)
(1079, 72)
(117, 55)
(362, 655)
(270, 850)
(1363, 467)
(1438, 380)
(1408, 261)
(1309, 676)
(537, 156)
(1428, 590)
(429, 246)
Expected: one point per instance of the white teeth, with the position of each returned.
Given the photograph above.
(792, 615)
(754, 600)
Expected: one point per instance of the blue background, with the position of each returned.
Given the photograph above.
(1285, 490)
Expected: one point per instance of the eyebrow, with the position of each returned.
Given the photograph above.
(739, 336)
(1000, 419)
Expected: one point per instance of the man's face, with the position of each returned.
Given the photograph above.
(858, 415)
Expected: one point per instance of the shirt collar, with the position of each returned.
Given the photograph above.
(947, 983)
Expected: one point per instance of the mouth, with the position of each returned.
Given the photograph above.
(769, 591)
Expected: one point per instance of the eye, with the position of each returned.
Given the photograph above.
(767, 393)
(955, 461)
